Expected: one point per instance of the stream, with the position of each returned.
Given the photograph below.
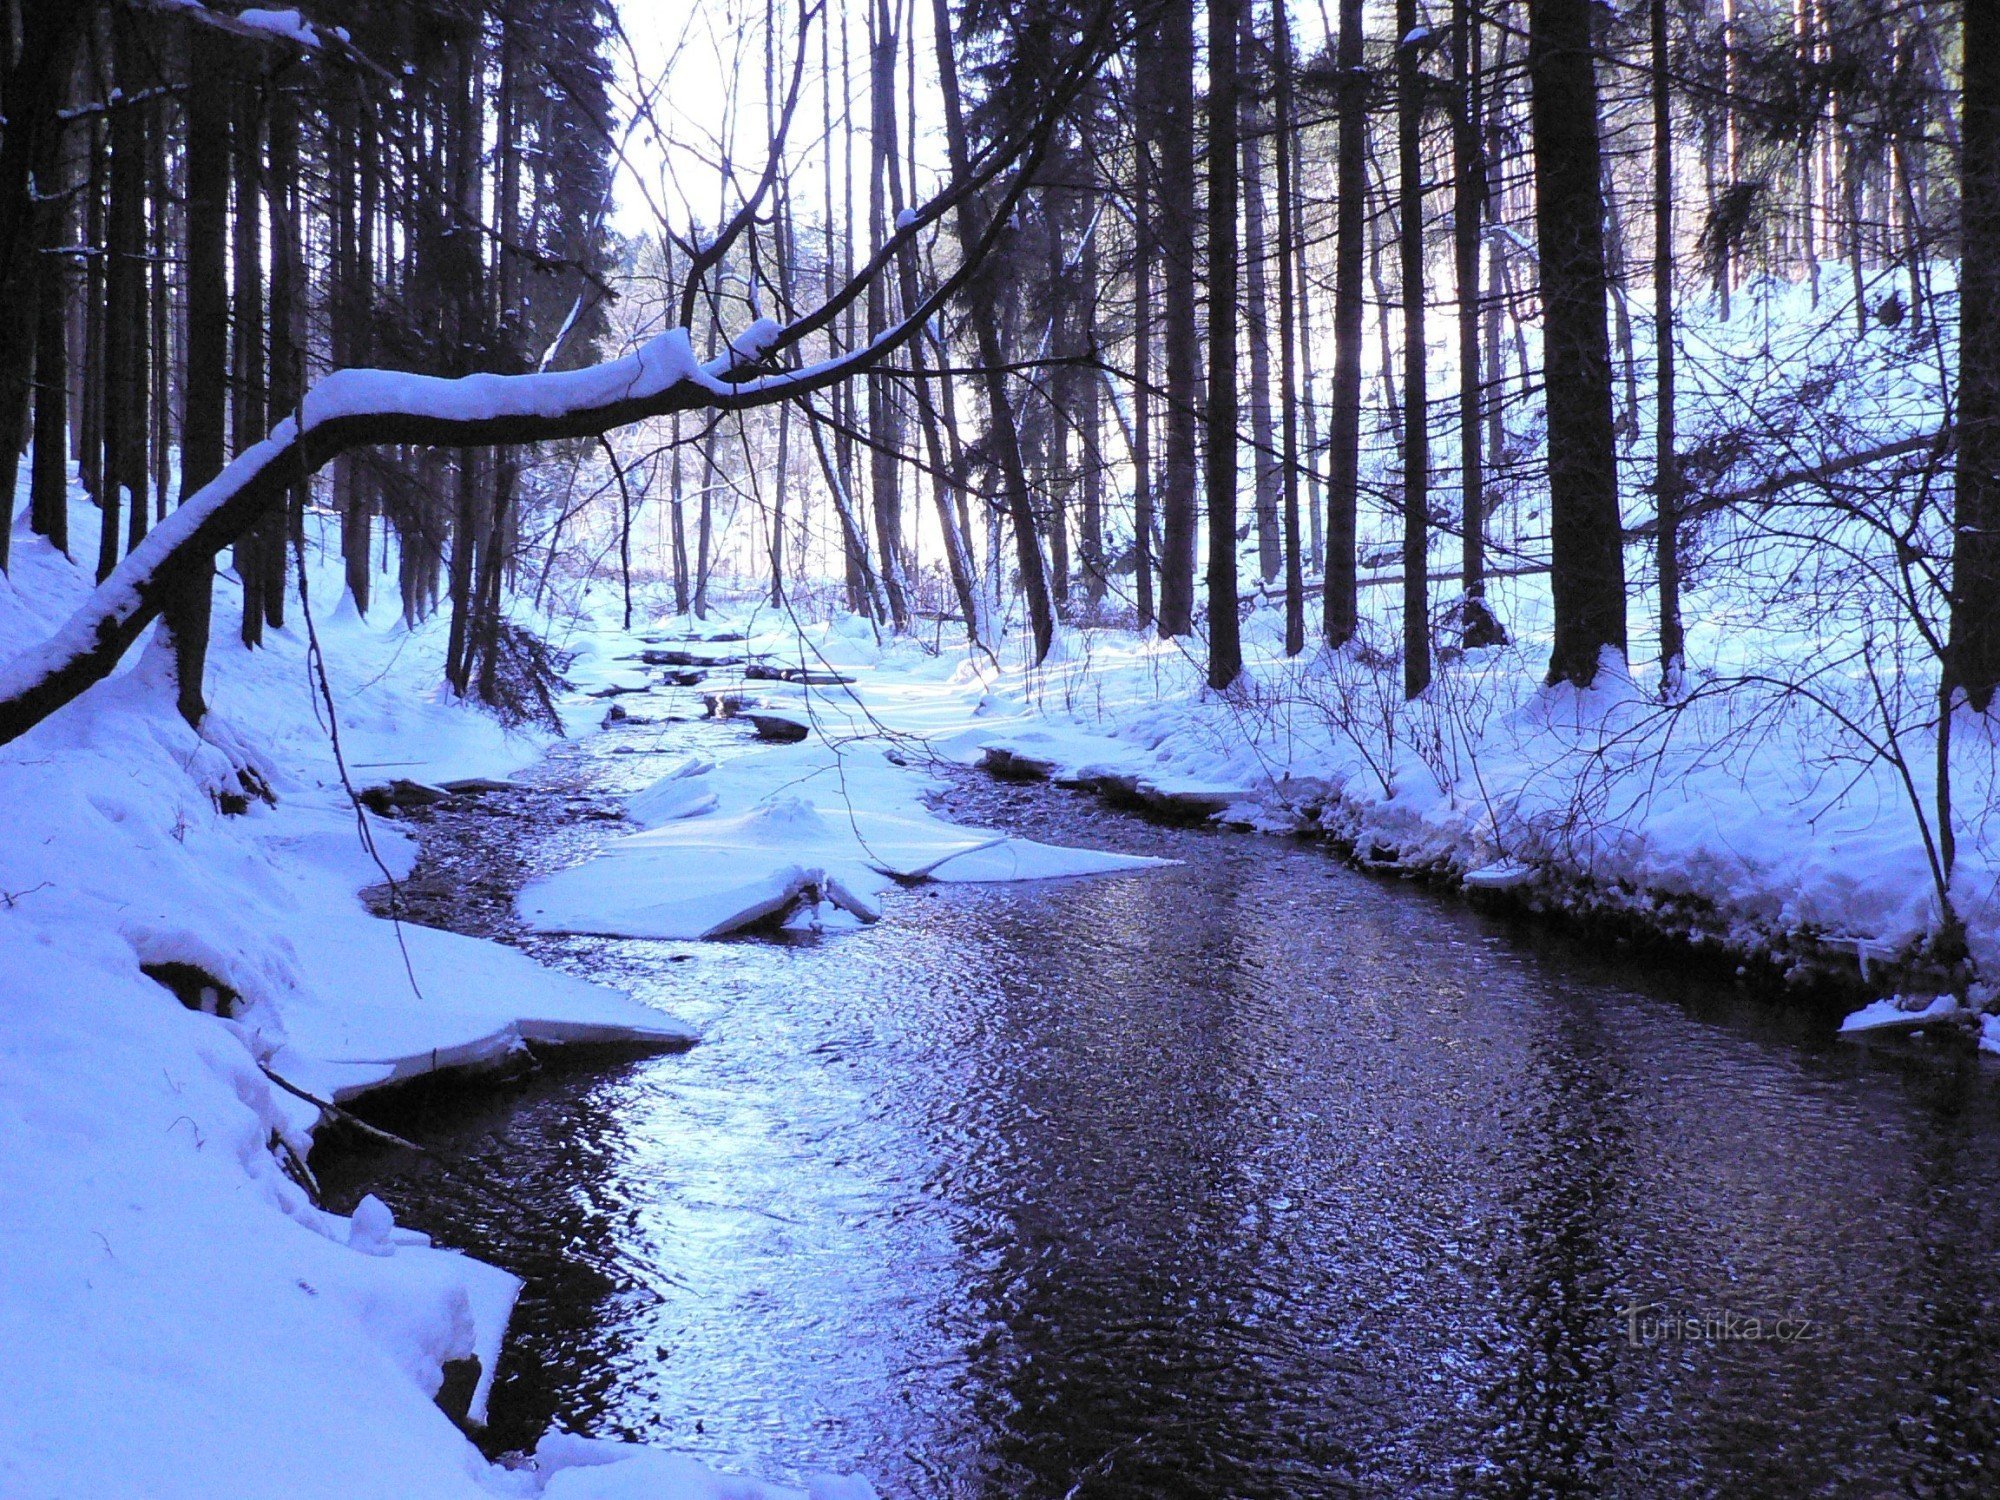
(1256, 1176)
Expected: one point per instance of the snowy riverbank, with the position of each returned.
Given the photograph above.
(181, 1320)
(1724, 820)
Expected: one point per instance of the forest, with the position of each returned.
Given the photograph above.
(1538, 452)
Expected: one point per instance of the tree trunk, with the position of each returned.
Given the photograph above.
(1666, 463)
(205, 385)
(1974, 663)
(1343, 492)
(41, 42)
(1225, 650)
(1006, 435)
(1410, 85)
(1257, 313)
(1476, 619)
(125, 384)
(885, 424)
(1295, 603)
(1142, 369)
(1587, 561)
(48, 482)
(1172, 49)
(247, 411)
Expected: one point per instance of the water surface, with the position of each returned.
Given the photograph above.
(1251, 1177)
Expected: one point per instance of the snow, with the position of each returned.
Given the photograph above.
(288, 24)
(180, 1318)
(1899, 1014)
(827, 823)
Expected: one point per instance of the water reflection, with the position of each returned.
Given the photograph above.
(1250, 1177)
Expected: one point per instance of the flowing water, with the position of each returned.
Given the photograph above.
(1250, 1177)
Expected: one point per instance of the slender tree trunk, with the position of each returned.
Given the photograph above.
(1480, 628)
(1225, 650)
(48, 481)
(1006, 435)
(1344, 418)
(247, 413)
(1288, 399)
(1172, 55)
(1974, 663)
(1410, 84)
(885, 425)
(39, 42)
(1142, 378)
(125, 386)
(288, 334)
(1090, 417)
(205, 386)
(682, 599)
(1667, 464)
(1587, 574)
(1257, 313)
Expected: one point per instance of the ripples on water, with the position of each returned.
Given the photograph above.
(1251, 1177)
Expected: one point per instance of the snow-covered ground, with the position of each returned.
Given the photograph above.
(179, 1318)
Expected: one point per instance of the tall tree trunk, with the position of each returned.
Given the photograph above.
(90, 367)
(1288, 399)
(1142, 368)
(1974, 662)
(288, 334)
(1410, 84)
(682, 599)
(1343, 494)
(247, 411)
(39, 45)
(1257, 311)
(1587, 573)
(205, 382)
(125, 386)
(48, 481)
(1667, 462)
(1479, 626)
(1090, 418)
(1225, 649)
(885, 424)
(981, 313)
(1171, 53)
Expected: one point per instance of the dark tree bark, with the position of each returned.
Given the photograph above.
(885, 423)
(205, 385)
(1974, 664)
(1410, 84)
(1667, 464)
(1477, 621)
(125, 383)
(1225, 650)
(48, 481)
(247, 405)
(1257, 311)
(1587, 560)
(1288, 399)
(1171, 54)
(288, 333)
(1005, 432)
(1344, 417)
(32, 89)
(1142, 379)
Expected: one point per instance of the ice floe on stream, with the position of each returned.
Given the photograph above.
(824, 832)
